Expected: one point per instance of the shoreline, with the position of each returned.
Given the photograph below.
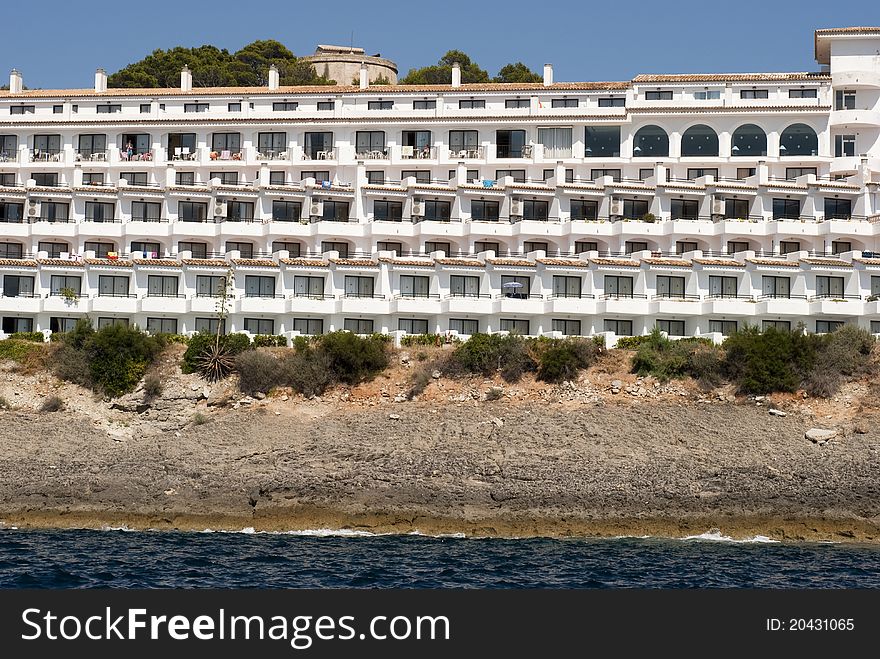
(744, 528)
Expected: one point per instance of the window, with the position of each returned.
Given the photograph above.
(286, 211)
(46, 144)
(556, 141)
(618, 286)
(437, 246)
(376, 177)
(735, 246)
(602, 142)
(699, 140)
(320, 175)
(792, 173)
(651, 141)
(191, 211)
(665, 95)
(685, 209)
(582, 246)
(389, 246)
(463, 143)
(670, 287)
(54, 250)
(145, 211)
(413, 325)
(564, 103)
(875, 327)
(671, 327)
(150, 250)
(225, 145)
(789, 246)
(564, 286)
(112, 286)
(827, 326)
(196, 107)
(134, 178)
(92, 145)
(415, 143)
(486, 246)
(619, 327)
(515, 326)
(162, 325)
(332, 246)
(464, 326)
(612, 102)
(802, 93)
(61, 323)
(11, 212)
(775, 286)
(875, 286)
(536, 246)
(567, 327)
(683, 246)
(798, 140)
(61, 282)
(210, 326)
(781, 325)
(745, 172)
(518, 175)
(466, 286)
(786, 209)
(724, 327)
(844, 146)
(185, 178)
(308, 326)
(584, 209)
(720, 286)
(749, 140)
(108, 108)
(838, 209)
(259, 326)
(292, 248)
(18, 286)
(509, 143)
(21, 109)
(335, 211)
(697, 172)
(12, 324)
(8, 147)
(437, 211)
(471, 104)
(198, 250)
(259, 286)
(707, 95)
(101, 250)
(599, 173)
(358, 325)
(210, 285)
(54, 212)
(512, 103)
(634, 209)
(840, 246)
(414, 286)
(240, 211)
(284, 106)
(515, 286)
(135, 145)
(99, 211)
(246, 250)
(326, 106)
(146, 108)
(318, 145)
(753, 93)
(7, 180)
(277, 178)
(829, 286)
(370, 143)
(535, 210)
(233, 107)
(358, 286)
(569, 176)
(226, 178)
(380, 105)
(305, 286)
(45, 179)
(484, 210)
(161, 286)
(844, 99)
(389, 211)
(420, 175)
(93, 178)
(57, 109)
(272, 145)
(424, 105)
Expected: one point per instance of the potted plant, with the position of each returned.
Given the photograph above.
(70, 296)
(648, 217)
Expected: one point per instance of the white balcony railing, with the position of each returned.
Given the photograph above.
(418, 153)
(92, 155)
(47, 156)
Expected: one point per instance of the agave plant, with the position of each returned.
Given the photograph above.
(216, 362)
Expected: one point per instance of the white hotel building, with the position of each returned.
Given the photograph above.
(696, 203)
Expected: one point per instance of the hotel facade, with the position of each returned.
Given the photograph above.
(694, 203)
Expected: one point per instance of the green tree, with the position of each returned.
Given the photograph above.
(517, 72)
(441, 73)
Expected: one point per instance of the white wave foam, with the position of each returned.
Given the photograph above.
(717, 536)
(118, 528)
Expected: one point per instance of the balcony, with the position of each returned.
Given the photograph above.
(837, 305)
(571, 304)
(273, 154)
(89, 155)
(182, 153)
(365, 304)
(259, 304)
(373, 154)
(164, 304)
(467, 153)
(312, 304)
(865, 118)
(422, 304)
(856, 79)
(206, 304)
(136, 156)
(782, 306)
(635, 304)
(467, 304)
(61, 304)
(115, 303)
(224, 155)
(676, 304)
(729, 305)
(21, 304)
(47, 156)
(418, 153)
(318, 154)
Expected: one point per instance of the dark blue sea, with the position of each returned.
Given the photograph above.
(154, 559)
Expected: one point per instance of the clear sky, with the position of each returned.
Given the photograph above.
(59, 44)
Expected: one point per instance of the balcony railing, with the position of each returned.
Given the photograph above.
(675, 296)
(467, 152)
(46, 156)
(136, 156)
(226, 154)
(184, 153)
(319, 154)
(90, 155)
(833, 297)
(556, 152)
(373, 154)
(623, 296)
(273, 154)
(418, 153)
(781, 296)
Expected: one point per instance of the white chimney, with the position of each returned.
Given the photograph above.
(456, 75)
(548, 75)
(364, 79)
(100, 80)
(186, 79)
(274, 78)
(15, 82)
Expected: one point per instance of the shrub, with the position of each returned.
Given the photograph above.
(773, 360)
(5, 404)
(844, 352)
(28, 336)
(353, 358)
(487, 354)
(72, 365)
(200, 344)
(257, 371)
(427, 340)
(665, 359)
(494, 393)
(152, 385)
(199, 419)
(52, 404)
(18, 350)
(308, 371)
(562, 360)
(631, 342)
(269, 341)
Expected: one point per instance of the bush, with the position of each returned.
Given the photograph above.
(5, 404)
(72, 365)
(487, 354)
(631, 342)
(152, 385)
(257, 371)
(269, 341)
(562, 360)
(353, 358)
(308, 371)
(52, 404)
(199, 419)
(427, 340)
(200, 344)
(773, 360)
(845, 352)
(665, 359)
(18, 350)
(28, 336)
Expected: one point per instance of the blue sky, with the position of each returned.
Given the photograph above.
(59, 44)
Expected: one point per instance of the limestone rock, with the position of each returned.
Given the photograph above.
(820, 436)
(775, 412)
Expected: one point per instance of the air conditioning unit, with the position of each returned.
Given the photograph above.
(316, 208)
(33, 210)
(220, 208)
(418, 208)
(516, 206)
(717, 205)
(616, 206)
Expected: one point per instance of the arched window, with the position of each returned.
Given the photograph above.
(699, 140)
(651, 141)
(799, 140)
(749, 140)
